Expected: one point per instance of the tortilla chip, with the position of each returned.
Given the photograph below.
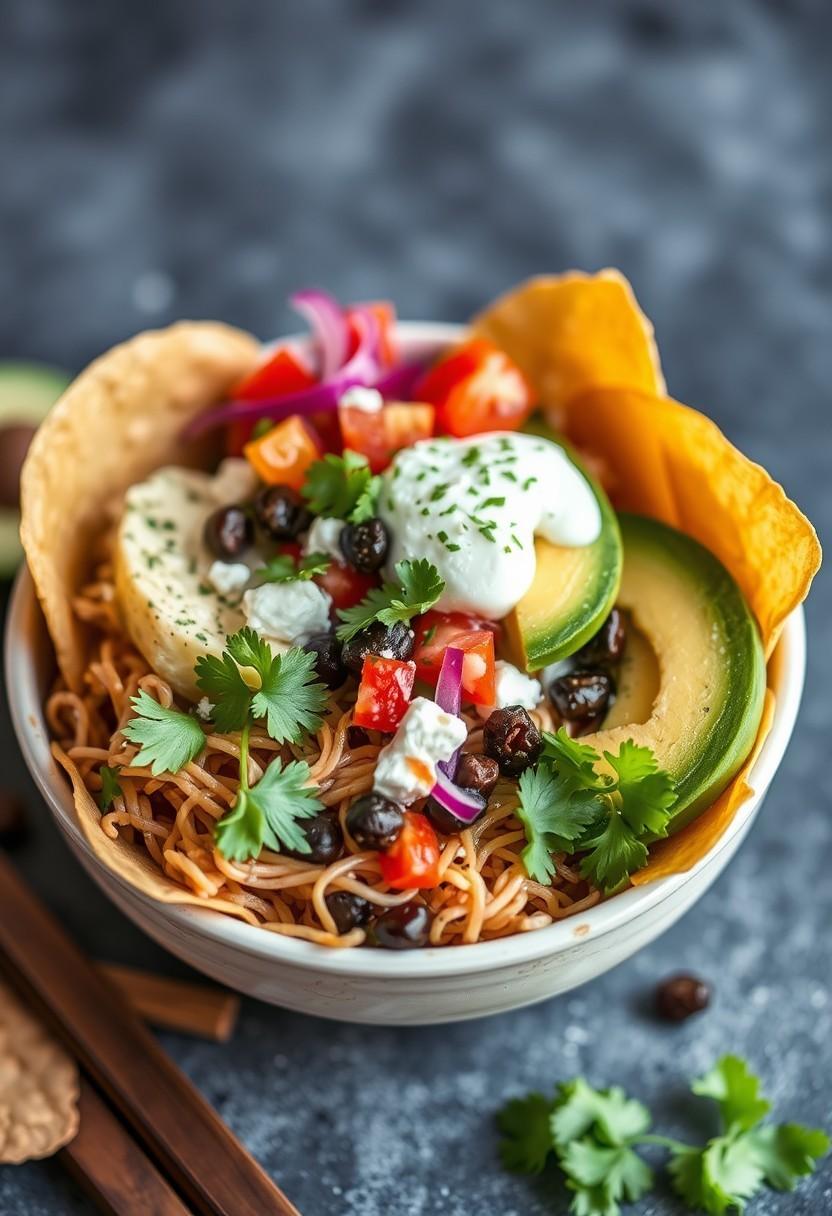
(674, 464)
(573, 332)
(38, 1086)
(117, 422)
(681, 852)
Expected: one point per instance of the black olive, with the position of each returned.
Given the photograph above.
(406, 927)
(357, 737)
(324, 836)
(445, 821)
(475, 772)
(228, 532)
(328, 665)
(374, 822)
(348, 911)
(581, 695)
(680, 996)
(365, 545)
(607, 646)
(392, 641)
(281, 512)
(512, 739)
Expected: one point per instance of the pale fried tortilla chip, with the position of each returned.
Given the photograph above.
(572, 332)
(116, 423)
(38, 1086)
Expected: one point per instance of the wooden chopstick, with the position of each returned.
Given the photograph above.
(195, 1149)
(198, 1009)
(110, 1166)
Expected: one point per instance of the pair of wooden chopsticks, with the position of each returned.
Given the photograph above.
(177, 1152)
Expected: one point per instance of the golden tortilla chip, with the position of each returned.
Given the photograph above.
(674, 464)
(572, 332)
(38, 1086)
(117, 422)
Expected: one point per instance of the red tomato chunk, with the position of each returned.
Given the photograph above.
(413, 859)
(384, 692)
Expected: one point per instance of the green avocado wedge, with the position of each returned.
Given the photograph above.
(573, 589)
(711, 671)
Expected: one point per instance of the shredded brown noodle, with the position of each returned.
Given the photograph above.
(484, 892)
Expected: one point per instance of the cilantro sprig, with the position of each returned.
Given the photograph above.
(168, 738)
(342, 487)
(418, 588)
(594, 1134)
(282, 568)
(110, 788)
(566, 805)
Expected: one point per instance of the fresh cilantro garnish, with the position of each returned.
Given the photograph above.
(110, 787)
(594, 1134)
(566, 805)
(342, 487)
(268, 813)
(169, 738)
(282, 568)
(418, 589)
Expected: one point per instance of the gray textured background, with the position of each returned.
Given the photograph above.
(202, 159)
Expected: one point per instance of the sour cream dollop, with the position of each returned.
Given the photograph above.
(473, 507)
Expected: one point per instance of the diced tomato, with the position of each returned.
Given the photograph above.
(435, 631)
(477, 388)
(379, 435)
(281, 374)
(413, 859)
(326, 425)
(346, 586)
(384, 693)
(384, 312)
(478, 670)
(283, 454)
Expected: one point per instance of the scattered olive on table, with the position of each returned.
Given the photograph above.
(281, 512)
(324, 836)
(478, 773)
(582, 695)
(349, 911)
(228, 532)
(374, 822)
(329, 666)
(607, 646)
(406, 927)
(512, 739)
(445, 821)
(392, 641)
(680, 996)
(365, 545)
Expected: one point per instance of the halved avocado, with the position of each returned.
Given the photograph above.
(707, 660)
(572, 592)
(27, 392)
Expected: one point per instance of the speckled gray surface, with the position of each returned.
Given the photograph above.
(206, 159)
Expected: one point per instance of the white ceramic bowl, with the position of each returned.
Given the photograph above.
(377, 986)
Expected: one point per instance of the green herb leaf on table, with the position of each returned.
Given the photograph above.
(168, 738)
(786, 1152)
(579, 1109)
(110, 788)
(419, 587)
(601, 1177)
(342, 487)
(268, 813)
(737, 1092)
(282, 568)
(527, 1140)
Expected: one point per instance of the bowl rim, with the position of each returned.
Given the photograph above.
(25, 624)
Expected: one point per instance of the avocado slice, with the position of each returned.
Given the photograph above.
(27, 393)
(708, 672)
(572, 592)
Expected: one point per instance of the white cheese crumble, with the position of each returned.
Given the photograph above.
(406, 767)
(228, 578)
(323, 537)
(368, 400)
(204, 709)
(288, 612)
(513, 687)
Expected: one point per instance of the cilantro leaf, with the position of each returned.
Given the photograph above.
(248, 649)
(730, 1174)
(282, 568)
(290, 698)
(614, 854)
(418, 589)
(575, 761)
(786, 1152)
(553, 818)
(110, 788)
(602, 1176)
(685, 1169)
(737, 1091)
(646, 791)
(579, 1108)
(527, 1141)
(268, 813)
(221, 680)
(340, 486)
(169, 739)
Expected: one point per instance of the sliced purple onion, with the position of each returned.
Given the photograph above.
(449, 696)
(464, 805)
(325, 317)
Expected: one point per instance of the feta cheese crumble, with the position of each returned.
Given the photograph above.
(368, 400)
(513, 687)
(228, 578)
(323, 537)
(406, 767)
(288, 612)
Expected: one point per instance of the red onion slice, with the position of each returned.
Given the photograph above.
(326, 319)
(464, 805)
(449, 697)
